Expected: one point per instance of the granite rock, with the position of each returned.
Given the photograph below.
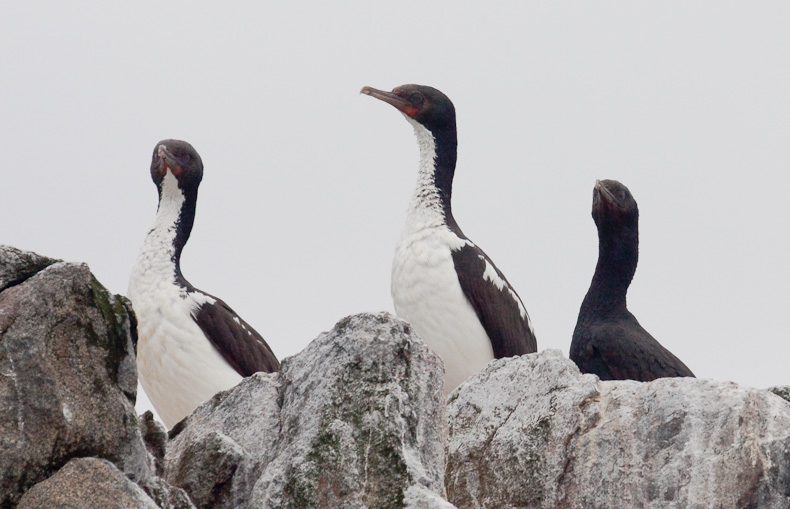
(354, 420)
(68, 377)
(357, 420)
(533, 432)
(783, 391)
(87, 483)
(16, 265)
(68, 384)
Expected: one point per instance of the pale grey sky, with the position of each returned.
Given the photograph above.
(306, 182)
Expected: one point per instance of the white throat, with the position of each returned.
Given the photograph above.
(158, 249)
(425, 209)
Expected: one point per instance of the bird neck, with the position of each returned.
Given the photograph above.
(174, 219)
(430, 202)
(617, 259)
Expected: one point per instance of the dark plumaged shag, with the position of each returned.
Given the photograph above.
(608, 340)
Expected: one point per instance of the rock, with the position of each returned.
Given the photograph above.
(68, 376)
(362, 415)
(355, 420)
(16, 265)
(532, 432)
(420, 497)
(68, 382)
(87, 483)
(206, 467)
(155, 439)
(783, 391)
(217, 453)
(165, 495)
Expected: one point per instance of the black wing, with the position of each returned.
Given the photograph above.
(623, 350)
(238, 343)
(497, 309)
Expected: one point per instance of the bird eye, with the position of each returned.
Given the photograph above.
(416, 98)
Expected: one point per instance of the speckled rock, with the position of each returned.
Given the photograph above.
(783, 391)
(155, 439)
(355, 420)
(362, 416)
(16, 265)
(420, 497)
(532, 432)
(218, 452)
(67, 382)
(87, 483)
(68, 378)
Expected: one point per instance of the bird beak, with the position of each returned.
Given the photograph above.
(388, 97)
(603, 197)
(601, 188)
(166, 160)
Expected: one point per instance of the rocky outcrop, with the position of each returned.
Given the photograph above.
(68, 381)
(533, 432)
(355, 420)
(67, 376)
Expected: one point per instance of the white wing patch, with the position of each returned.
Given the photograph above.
(198, 299)
(490, 274)
(202, 298)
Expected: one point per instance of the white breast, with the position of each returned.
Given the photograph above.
(178, 368)
(427, 294)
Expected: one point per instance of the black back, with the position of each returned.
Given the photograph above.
(239, 344)
(496, 309)
(608, 340)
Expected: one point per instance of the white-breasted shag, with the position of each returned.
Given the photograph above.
(450, 291)
(191, 344)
